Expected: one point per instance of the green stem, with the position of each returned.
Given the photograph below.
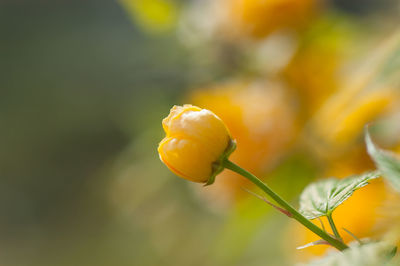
(296, 215)
(333, 226)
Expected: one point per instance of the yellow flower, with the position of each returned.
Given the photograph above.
(355, 160)
(326, 40)
(261, 119)
(195, 139)
(258, 18)
(367, 214)
(359, 214)
(338, 126)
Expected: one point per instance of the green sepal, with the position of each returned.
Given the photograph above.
(218, 166)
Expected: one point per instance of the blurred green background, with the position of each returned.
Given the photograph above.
(84, 86)
(79, 83)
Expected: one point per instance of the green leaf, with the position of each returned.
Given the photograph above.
(322, 197)
(387, 162)
(370, 254)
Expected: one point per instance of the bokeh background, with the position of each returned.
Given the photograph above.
(85, 84)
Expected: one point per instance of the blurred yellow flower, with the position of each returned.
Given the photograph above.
(263, 121)
(350, 123)
(338, 126)
(195, 139)
(313, 72)
(389, 222)
(356, 160)
(359, 215)
(258, 18)
(366, 95)
(370, 212)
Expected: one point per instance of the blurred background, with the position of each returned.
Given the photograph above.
(85, 84)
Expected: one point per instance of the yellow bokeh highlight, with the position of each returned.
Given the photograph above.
(258, 18)
(154, 16)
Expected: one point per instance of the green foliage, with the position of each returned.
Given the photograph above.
(322, 197)
(388, 163)
(370, 254)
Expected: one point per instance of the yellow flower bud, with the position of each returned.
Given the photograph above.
(196, 140)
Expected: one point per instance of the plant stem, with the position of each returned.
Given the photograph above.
(296, 215)
(333, 226)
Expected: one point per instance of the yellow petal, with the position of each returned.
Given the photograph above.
(186, 158)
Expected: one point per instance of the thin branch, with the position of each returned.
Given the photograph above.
(284, 204)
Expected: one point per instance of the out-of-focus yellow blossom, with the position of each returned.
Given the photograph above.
(359, 214)
(363, 110)
(365, 96)
(313, 72)
(341, 120)
(336, 128)
(258, 18)
(369, 212)
(386, 217)
(154, 16)
(311, 87)
(389, 223)
(261, 118)
(195, 139)
(356, 160)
